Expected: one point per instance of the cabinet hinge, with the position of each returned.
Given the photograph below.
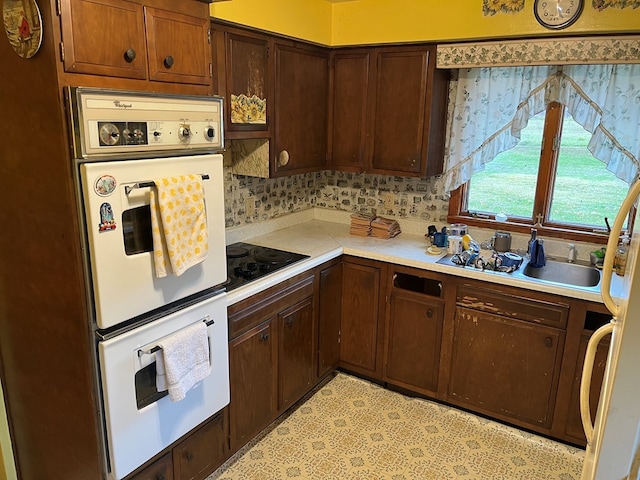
(339, 335)
(209, 36)
(555, 143)
(58, 8)
(210, 70)
(62, 51)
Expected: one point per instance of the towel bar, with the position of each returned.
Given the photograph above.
(141, 352)
(148, 183)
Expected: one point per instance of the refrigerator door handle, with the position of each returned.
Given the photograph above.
(585, 381)
(612, 246)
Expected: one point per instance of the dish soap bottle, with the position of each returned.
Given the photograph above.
(534, 236)
(620, 261)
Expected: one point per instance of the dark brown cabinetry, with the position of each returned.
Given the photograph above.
(247, 78)
(301, 109)
(296, 353)
(507, 354)
(414, 330)
(362, 326)
(596, 316)
(154, 40)
(388, 111)
(329, 315)
(271, 355)
(194, 457)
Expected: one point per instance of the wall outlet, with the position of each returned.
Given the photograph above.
(388, 200)
(250, 206)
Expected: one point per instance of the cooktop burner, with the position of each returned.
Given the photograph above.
(246, 262)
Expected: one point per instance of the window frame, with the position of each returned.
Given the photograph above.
(458, 205)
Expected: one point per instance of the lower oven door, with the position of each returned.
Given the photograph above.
(140, 421)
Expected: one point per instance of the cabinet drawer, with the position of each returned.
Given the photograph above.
(202, 452)
(161, 469)
(251, 312)
(512, 306)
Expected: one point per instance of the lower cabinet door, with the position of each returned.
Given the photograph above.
(202, 452)
(295, 353)
(505, 367)
(413, 345)
(253, 383)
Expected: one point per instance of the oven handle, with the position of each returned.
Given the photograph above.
(129, 188)
(208, 321)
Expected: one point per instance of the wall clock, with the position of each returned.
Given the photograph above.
(557, 14)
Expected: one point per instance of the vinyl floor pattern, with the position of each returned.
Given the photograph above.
(351, 429)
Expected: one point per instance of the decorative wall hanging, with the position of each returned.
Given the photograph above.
(491, 7)
(251, 110)
(600, 5)
(23, 26)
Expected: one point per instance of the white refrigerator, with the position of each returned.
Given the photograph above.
(613, 440)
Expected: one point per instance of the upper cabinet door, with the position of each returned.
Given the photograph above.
(398, 131)
(348, 112)
(301, 99)
(104, 38)
(179, 47)
(247, 79)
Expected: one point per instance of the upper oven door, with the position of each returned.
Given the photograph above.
(118, 228)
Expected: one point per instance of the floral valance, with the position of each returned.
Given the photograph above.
(543, 51)
(490, 106)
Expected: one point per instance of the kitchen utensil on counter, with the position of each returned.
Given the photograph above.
(501, 242)
(455, 244)
(458, 229)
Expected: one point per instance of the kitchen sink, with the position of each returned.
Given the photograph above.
(564, 272)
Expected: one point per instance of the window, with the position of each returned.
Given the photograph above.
(550, 177)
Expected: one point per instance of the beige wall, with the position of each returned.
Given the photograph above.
(353, 22)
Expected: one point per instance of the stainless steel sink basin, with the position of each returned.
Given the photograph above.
(566, 273)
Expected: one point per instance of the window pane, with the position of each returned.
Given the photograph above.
(508, 183)
(585, 191)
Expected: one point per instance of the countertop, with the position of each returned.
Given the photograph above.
(324, 240)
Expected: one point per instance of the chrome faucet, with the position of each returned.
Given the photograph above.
(573, 254)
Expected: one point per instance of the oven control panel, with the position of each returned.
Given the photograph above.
(125, 124)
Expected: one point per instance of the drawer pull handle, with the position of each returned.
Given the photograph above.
(548, 342)
(130, 55)
(264, 337)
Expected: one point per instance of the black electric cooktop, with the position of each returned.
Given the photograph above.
(246, 262)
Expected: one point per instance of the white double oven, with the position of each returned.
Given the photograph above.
(123, 141)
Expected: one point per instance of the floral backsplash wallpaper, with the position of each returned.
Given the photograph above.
(252, 199)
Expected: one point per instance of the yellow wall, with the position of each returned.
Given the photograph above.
(354, 22)
(306, 19)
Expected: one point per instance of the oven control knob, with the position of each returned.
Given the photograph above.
(209, 133)
(184, 133)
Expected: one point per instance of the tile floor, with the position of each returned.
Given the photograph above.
(351, 429)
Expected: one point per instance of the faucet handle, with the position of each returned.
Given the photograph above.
(573, 254)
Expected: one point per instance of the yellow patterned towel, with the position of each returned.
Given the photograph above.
(179, 224)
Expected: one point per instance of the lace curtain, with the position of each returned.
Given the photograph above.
(492, 105)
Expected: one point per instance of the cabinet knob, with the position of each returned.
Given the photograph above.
(264, 337)
(130, 55)
(430, 313)
(548, 342)
(189, 456)
(168, 61)
(288, 322)
(283, 158)
(412, 162)
(161, 477)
